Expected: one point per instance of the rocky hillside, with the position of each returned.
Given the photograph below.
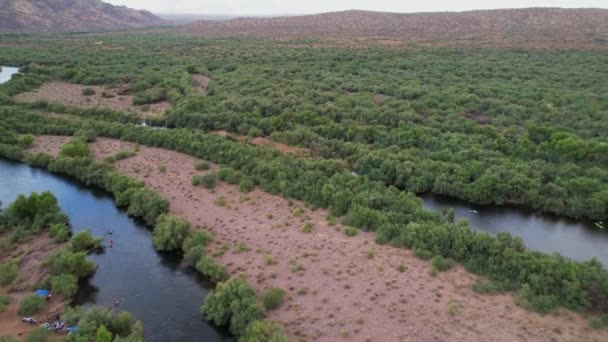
(70, 15)
(530, 26)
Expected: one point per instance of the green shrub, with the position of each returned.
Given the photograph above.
(76, 148)
(84, 241)
(8, 273)
(202, 166)
(423, 254)
(144, 204)
(5, 300)
(39, 160)
(264, 331)
(88, 91)
(170, 232)
(443, 264)
(485, 286)
(38, 335)
(64, 285)
(599, 322)
(60, 232)
(350, 231)
(273, 297)
(527, 299)
(246, 184)
(229, 175)
(208, 181)
(26, 141)
(31, 305)
(211, 269)
(232, 303)
(75, 263)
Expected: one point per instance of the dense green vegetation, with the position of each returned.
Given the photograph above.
(96, 322)
(396, 216)
(489, 126)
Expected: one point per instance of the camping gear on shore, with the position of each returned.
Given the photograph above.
(29, 320)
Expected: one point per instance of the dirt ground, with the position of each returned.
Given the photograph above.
(338, 288)
(30, 256)
(71, 94)
(202, 83)
(261, 141)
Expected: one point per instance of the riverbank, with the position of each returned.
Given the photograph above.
(338, 287)
(29, 256)
(131, 272)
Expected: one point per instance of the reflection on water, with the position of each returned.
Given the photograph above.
(579, 240)
(153, 286)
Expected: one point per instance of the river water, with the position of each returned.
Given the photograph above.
(6, 73)
(152, 286)
(577, 239)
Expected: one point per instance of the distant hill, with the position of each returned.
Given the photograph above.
(530, 26)
(70, 15)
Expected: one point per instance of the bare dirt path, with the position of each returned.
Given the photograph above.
(339, 287)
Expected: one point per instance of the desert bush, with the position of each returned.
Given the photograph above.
(26, 141)
(202, 166)
(76, 148)
(60, 232)
(88, 91)
(264, 331)
(31, 305)
(273, 297)
(5, 300)
(350, 231)
(208, 181)
(211, 269)
(443, 264)
(8, 273)
(423, 254)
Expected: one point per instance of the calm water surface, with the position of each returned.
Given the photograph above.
(152, 286)
(7, 73)
(579, 240)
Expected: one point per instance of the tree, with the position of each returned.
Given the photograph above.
(232, 303)
(170, 232)
(103, 335)
(64, 285)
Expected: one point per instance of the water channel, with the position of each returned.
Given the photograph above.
(153, 286)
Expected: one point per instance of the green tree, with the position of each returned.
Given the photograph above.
(170, 232)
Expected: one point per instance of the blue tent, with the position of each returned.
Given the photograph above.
(42, 293)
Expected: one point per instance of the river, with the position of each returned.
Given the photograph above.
(6, 73)
(152, 286)
(578, 239)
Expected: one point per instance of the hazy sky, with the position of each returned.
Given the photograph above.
(257, 7)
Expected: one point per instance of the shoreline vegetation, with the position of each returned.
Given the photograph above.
(59, 268)
(171, 234)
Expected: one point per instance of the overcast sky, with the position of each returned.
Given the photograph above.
(261, 7)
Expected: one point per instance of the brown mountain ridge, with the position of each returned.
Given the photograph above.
(70, 15)
(529, 26)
